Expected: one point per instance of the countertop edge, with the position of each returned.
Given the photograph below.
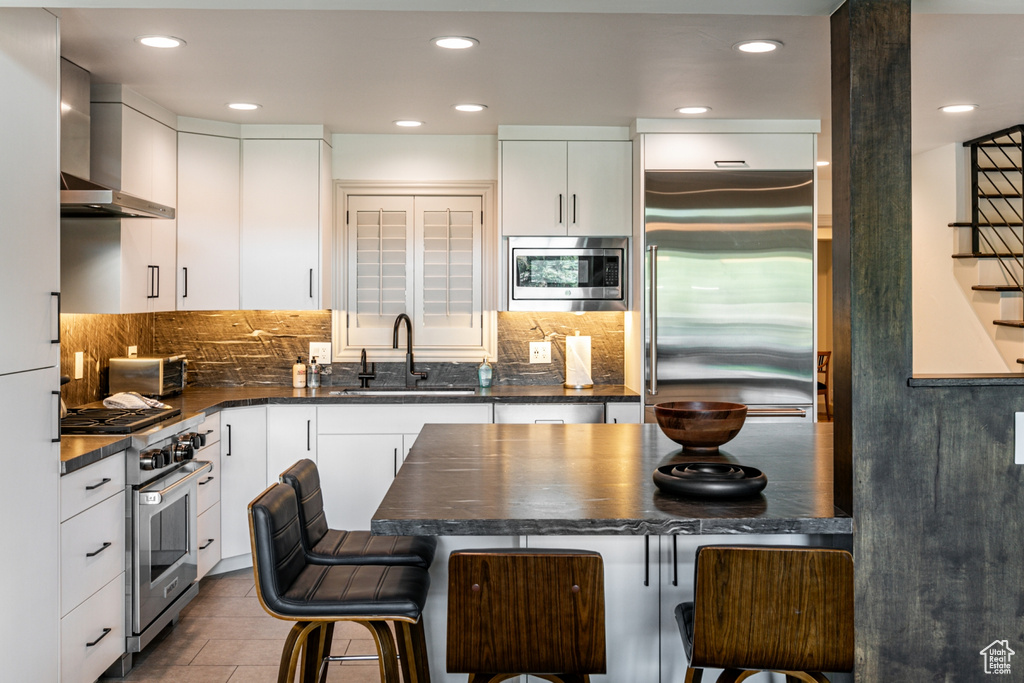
(195, 401)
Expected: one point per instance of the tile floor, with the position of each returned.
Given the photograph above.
(224, 636)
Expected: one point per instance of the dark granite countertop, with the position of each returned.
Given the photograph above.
(597, 479)
(79, 451)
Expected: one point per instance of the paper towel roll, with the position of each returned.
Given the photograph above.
(577, 362)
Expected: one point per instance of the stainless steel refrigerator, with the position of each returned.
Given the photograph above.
(729, 314)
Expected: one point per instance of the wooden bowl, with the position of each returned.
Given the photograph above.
(700, 425)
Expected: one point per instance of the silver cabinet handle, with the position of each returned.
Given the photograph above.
(652, 354)
(734, 163)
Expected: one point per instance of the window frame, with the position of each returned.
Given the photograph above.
(490, 272)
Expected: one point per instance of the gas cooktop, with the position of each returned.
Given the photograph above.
(113, 420)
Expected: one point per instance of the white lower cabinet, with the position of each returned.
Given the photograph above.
(632, 602)
(92, 569)
(360, 448)
(92, 634)
(624, 413)
(355, 473)
(208, 499)
(243, 444)
(291, 436)
(209, 537)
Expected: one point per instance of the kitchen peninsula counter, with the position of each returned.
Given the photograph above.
(79, 451)
(597, 479)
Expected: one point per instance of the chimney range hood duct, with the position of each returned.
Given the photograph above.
(80, 197)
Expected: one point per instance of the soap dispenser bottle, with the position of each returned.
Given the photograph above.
(484, 372)
(299, 374)
(313, 374)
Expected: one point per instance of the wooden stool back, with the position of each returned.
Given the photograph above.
(770, 608)
(536, 611)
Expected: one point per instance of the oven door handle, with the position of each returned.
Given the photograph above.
(157, 497)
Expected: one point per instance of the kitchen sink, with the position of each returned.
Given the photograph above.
(422, 391)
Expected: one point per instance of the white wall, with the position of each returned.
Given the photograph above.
(953, 332)
(415, 157)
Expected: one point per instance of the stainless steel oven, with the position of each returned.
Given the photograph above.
(164, 540)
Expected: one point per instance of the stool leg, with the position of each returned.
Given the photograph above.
(735, 675)
(694, 675)
(806, 676)
(412, 652)
(293, 645)
(325, 651)
(386, 651)
(312, 653)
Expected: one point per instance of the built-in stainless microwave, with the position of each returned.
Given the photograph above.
(567, 273)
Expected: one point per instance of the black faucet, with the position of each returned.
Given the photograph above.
(365, 375)
(411, 376)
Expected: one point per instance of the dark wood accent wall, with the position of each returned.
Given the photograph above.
(927, 471)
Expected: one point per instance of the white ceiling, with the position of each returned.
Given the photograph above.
(357, 70)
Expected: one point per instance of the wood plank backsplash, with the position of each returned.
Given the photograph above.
(257, 348)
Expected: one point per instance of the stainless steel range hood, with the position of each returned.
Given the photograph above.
(80, 197)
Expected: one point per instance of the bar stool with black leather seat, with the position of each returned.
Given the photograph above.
(769, 608)
(528, 611)
(316, 596)
(334, 546)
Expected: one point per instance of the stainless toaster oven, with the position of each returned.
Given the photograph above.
(154, 376)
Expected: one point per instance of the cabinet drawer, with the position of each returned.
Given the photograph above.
(88, 623)
(209, 483)
(397, 419)
(89, 485)
(92, 551)
(211, 425)
(529, 413)
(710, 151)
(208, 534)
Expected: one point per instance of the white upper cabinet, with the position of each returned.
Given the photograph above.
(29, 193)
(209, 188)
(558, 187)
(710, 151)
(285, 231)
(126, 265)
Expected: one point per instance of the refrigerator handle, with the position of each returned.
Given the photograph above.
(652, 348)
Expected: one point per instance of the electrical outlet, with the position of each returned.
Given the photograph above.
(540, 352)
(133, 351)
(322, 351)
(79, 364)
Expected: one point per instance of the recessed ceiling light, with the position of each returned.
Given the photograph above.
(407, 123)
(244, 106)
(161, 41)
(693, 110)
(822, 162)
(757, 46)
(958, 108)
(470, 107)
(455, 42)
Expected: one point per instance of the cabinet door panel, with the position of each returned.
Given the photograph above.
(209, 537)
(280, 224)
(29, 192)
(355, 473)
(291, 436)
(533, 187)
(208, 222)
(243, 444)
(631, 608)
(600, 188)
